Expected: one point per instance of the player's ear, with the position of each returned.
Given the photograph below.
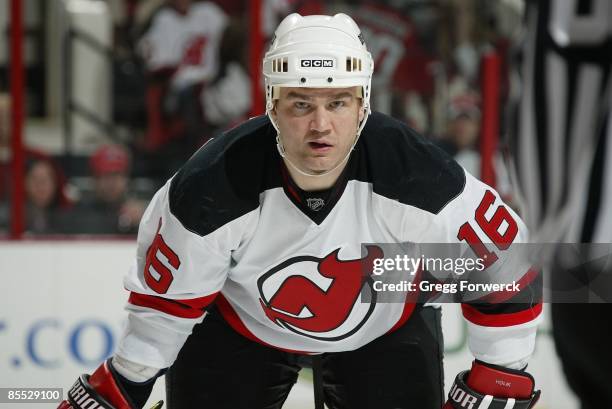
(361, 110)
(274, 106)
(359, 93)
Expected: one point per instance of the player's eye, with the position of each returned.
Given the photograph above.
(301, 105)
(337, 104)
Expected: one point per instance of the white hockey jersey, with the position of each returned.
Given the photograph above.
(284, 266)
(187, 43)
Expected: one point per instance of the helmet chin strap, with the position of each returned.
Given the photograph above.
(283, 153)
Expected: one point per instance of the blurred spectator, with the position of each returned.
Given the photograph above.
(463, 131)
(183, 39)
(462, 141)
(46, 199)
(233, 7)
(227, 98)
(110, 210)
(404, 80)
(462, 37)
(275, 10)
(196, 80)
(181, 52)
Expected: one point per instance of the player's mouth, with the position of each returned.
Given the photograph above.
(320, 146)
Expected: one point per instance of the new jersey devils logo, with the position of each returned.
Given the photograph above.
(319, 297)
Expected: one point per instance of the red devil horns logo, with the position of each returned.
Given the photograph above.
(317, 296)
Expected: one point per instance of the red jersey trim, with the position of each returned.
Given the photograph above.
(500, 320)
(409, 303)
(502, 296)
(187, 308)
(287, 184)
(231, 317)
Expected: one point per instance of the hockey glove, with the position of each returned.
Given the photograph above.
(492, 387)
(102, 390)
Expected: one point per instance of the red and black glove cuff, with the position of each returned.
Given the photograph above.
(488, 386)
(83, 395)
(107, 389)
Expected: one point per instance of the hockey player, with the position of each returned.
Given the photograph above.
(263, 229)
(562, 150)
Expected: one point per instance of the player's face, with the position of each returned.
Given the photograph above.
(318, 125)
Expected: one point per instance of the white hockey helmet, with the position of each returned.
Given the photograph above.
(318, 52)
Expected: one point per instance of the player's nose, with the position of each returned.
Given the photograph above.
(320, 119)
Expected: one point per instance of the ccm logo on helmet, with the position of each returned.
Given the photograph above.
(317, 63)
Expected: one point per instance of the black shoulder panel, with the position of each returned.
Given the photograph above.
(223, 179)
(405, 166)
